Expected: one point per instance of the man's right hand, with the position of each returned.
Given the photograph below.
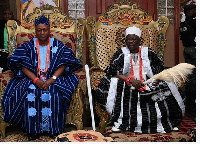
(136, 83)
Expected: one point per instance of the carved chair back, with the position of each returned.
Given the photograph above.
(61, 27)
(107, 35)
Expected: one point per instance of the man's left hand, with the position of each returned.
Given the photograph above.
(155, 82)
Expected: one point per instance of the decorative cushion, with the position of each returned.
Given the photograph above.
(23, 37)
(69, 39)
(5, 77)
(83, 136)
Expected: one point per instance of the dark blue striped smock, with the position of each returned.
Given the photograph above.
(24, 103)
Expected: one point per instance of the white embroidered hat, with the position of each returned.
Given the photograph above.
(133, 30)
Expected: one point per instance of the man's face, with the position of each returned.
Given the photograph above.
(191, 13)
(7, 15)
(132, 41)
(42, 32)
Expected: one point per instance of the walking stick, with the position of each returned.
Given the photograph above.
(90, 96)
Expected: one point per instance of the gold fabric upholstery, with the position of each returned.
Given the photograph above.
(110, 39)
(105, 46)
(153, 40)
(149, 37)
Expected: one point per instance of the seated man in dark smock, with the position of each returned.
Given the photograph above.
(155, 107)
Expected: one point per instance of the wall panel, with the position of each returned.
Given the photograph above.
(96, 7)
(3, 5)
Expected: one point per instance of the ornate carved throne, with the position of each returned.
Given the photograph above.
(63, 29)
(107, 35)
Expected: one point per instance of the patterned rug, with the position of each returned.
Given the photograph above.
(176, 136)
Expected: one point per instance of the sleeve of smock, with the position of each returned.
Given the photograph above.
(68, 58)
(157, 65)
(21, 57)
(116, 64)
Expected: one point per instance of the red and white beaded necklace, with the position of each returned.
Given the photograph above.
(39, 60)
(140, 69)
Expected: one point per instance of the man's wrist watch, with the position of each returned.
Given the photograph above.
(54, 77)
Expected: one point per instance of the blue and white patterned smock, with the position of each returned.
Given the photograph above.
(23, 102)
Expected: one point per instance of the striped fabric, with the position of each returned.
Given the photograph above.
(157, 109)
(23, 103)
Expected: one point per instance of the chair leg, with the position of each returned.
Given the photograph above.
(3, 126)
(104, 118)
(75, 111)
(79, 125)
(103, 123)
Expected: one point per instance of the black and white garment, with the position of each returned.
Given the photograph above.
(157, 109)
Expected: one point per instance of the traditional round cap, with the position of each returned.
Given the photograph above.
(190, 6)
(42, 20)
(133, 30)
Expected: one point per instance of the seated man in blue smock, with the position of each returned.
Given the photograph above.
(39, 94)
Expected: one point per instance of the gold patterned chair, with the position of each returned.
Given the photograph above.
(107, 35)
(63, 29)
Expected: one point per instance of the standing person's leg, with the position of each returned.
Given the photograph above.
(3, 59)
(190, 57)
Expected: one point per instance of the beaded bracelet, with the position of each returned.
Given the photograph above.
(35, 80)
(128, 80)
(142, 88)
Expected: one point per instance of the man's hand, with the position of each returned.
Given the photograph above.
(136, 83)
(47, 83)
(155, 82)
(39, 83)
